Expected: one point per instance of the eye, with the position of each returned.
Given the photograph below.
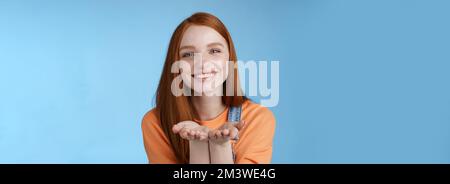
(214, 51)
(187, 54)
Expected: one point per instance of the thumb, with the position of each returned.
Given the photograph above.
(240, 125)
(176, 128)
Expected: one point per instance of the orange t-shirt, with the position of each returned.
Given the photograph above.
(253, 147)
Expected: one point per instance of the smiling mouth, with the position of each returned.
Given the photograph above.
(204, 75)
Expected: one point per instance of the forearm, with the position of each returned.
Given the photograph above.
(199, 152)
(221, 153)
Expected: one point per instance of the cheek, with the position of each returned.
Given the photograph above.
(224, 69)
(225, 56)
(186, 67)
(221, 65)
(222, 61)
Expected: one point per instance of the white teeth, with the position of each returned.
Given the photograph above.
(203, 75)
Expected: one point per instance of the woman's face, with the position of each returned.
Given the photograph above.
(206, 51)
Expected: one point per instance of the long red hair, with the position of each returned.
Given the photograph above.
(173, 109)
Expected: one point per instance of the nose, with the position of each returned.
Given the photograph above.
(202, 63)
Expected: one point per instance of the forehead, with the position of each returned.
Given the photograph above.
(199, 36)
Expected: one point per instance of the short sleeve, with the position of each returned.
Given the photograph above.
(156, 144)
(256, 138)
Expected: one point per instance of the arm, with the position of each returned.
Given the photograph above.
(221, 153)
(198, 152)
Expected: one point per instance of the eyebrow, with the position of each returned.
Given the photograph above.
(216, 44)
(209, 45)
(187, 47)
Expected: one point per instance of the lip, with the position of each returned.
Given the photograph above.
(204, 75)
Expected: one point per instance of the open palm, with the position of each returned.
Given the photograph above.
(191, 131)
(226, 132)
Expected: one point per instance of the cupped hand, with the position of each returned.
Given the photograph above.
(228, 131)
(191, 130)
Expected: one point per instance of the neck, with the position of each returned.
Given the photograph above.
(208, 107)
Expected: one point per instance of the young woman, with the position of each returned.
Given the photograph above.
(212, 127)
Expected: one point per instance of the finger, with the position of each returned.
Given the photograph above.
(226, 132)
(184, 136)
(203, 136)
(233, 133)
(240, 125)
(176, 128)
(184, 133)
(188, 133)
(212, 134)
(218, 134)
(193, 134)
(197, 134)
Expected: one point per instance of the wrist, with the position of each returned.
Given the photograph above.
(221, 144)
(197, 142)
(221, 153)
(199, 152)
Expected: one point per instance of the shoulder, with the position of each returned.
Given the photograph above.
(254, 109)
(257, 115)
(151, 119)
(151, 126)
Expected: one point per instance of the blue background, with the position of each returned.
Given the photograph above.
(361, 81)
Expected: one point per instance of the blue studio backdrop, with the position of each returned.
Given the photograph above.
(360, 81)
